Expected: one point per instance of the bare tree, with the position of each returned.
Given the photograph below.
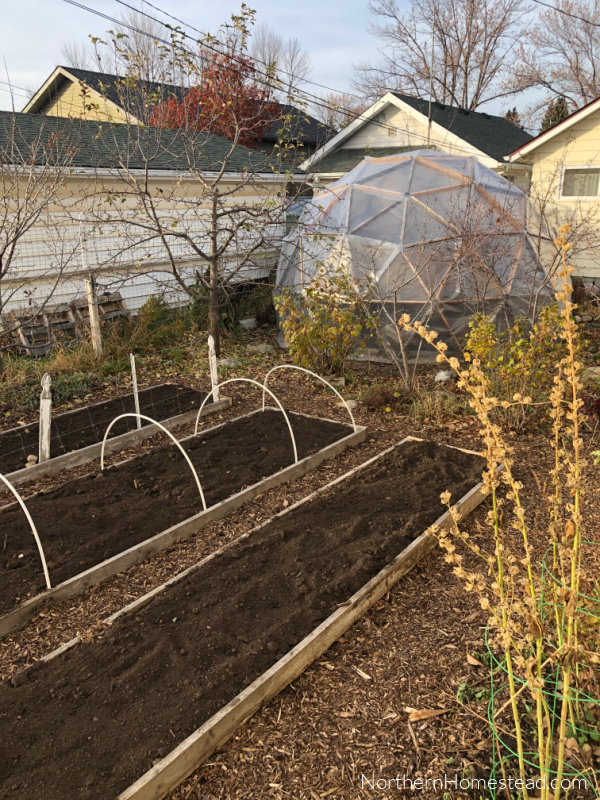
(560, 54)
(287, 58)
(338, 109)
(139, 51)
(78, 55)
(295, 68)
(219, 220)
(472, 44)
(266, 45)
(35, 161)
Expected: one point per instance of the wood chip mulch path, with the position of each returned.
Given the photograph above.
(344, 722)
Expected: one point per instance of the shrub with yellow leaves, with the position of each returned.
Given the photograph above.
(518, 362)
(323, 325)
(543, 631)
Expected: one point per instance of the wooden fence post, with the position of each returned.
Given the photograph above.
(90, 291)
(136, 397)
(214, 373)
(92, 299)
(45, 419)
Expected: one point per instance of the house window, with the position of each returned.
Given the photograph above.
(581, 182)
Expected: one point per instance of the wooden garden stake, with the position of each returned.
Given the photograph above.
(214, 375)
(45, 418)
(136, 397)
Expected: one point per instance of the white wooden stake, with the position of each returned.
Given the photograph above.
(45, 418)
(136, 398)
(214, 374)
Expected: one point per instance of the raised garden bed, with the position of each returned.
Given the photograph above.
(77, 435)
(188, 663)
(99, 525)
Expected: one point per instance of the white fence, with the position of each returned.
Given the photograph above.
(53, 260)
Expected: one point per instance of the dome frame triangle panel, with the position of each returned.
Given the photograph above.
(433, 233)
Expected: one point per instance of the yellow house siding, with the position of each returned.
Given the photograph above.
(395, 126)
(391, 127)
(579, 146)
(75, 100)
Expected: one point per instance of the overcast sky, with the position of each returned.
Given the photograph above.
(32, 32)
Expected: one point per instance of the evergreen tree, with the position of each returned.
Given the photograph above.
(556, 111)
(512, 115)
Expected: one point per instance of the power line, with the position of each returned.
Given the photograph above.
(12, 87)
(567, 13)
(14, 94)
(214, 49)
(315, 99)
(203, 34)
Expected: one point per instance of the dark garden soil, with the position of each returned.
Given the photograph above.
(89, 723)
(88, 520)
(77, 429)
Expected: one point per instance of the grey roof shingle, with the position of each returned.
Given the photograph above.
(105, 145)
(303, 126)
(345, 159)
(492, 135)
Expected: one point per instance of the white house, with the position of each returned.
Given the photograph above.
(398, 123)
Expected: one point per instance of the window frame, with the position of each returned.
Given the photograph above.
(575, 197)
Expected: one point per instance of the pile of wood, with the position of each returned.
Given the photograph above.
(33, 332)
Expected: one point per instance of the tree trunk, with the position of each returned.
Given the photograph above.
(213, 292)
(213, 307)
(1, 307)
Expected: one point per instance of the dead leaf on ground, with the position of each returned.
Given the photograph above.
(572, 745)
(473, 661)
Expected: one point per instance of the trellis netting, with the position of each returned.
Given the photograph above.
(439, 237)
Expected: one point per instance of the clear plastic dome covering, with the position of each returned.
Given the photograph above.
(436, 236)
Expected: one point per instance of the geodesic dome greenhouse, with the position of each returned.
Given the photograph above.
(437, 236)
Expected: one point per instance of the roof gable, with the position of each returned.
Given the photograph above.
(556, 130)
(480, 133)
(303, 127)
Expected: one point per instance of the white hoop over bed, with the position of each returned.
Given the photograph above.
(21, 502)
(162, 427)
(314, 374)
(260, 386)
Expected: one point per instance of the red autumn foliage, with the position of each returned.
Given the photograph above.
(228, 102)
